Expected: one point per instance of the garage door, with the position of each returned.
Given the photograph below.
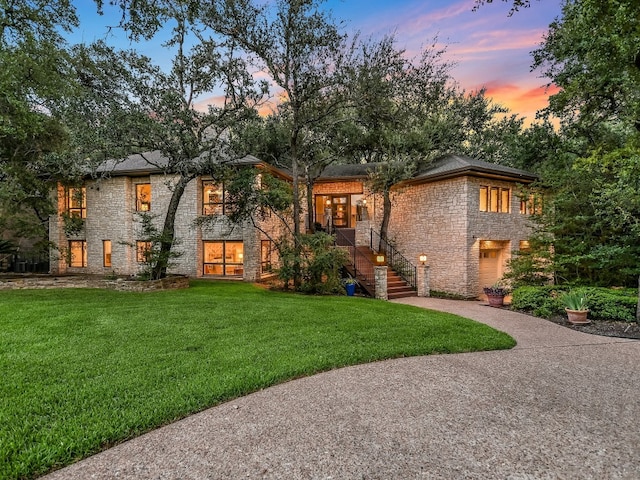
(490, 267)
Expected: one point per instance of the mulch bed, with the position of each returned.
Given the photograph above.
(605, 328)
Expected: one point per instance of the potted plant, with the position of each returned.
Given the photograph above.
(350, 284)
(495, 294)
(575, 303)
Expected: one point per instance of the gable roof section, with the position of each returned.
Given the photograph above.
(457, 165)
(447, 166)
(154, 162)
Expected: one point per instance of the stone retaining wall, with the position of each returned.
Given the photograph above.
(120, 284)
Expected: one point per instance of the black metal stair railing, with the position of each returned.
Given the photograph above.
(363, 267)
(398, 262)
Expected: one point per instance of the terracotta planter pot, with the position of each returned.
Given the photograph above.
(577, 317)
(495, 300)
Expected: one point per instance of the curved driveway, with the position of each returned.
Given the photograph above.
(561, 404)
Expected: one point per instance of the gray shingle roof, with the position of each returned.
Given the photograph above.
(451, 165)
(153, 162)
(447, 166)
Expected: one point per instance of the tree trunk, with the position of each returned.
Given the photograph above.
(386, 215)
(310, 209)
(297, 276)
(638, 307)
(168, 230)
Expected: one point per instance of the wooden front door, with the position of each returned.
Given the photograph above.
(340, 211)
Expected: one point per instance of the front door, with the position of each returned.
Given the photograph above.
(340, 211)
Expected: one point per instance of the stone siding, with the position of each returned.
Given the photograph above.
(442, 220)
(111, 215)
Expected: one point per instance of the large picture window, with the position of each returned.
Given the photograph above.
(495, 199)
(77, 253)
(223, 258)
(77, 202)
(215, 200)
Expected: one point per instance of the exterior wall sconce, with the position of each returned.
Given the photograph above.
(328, 202)
(423, 258)
(380, 258)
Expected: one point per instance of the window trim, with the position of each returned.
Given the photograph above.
(223, 207)
(107, 253)
(139, 202)
(239, 266)
(493, 199)
(142, 246)
(76, 211)
(266, 263)
(83, 257)
(531, 204)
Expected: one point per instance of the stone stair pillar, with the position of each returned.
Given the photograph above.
(423, 281)
(380, 273)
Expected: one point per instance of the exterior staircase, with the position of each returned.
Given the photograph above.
(365, 258)
(397, 287)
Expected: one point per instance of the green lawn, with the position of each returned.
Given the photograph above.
(82, 370)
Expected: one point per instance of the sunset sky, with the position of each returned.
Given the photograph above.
(490, 48)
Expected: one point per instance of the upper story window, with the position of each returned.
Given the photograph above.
(495, 199)
(143, 197)
(215, 199)
(77, 202)
(531, 205)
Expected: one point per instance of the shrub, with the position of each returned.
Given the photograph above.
(540, 301)
(604, 303)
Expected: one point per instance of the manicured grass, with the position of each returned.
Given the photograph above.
(82, 370)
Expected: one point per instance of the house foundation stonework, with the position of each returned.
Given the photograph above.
(465, 215)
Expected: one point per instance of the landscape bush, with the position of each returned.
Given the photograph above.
(603, 303)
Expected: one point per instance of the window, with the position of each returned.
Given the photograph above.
(495, 199)
(265, 256)
(223, 258)
(215, 200)
(143, 197)
(77, 253)
(106, 253)
(143, 251)
(531, 205)
(77, 202)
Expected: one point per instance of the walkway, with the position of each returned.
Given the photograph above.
(562, 404)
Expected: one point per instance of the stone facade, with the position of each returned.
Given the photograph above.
(437, 214)
(111, 216)
(442, 219)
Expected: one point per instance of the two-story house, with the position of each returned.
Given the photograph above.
(464, 215)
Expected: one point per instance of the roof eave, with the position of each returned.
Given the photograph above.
(474, 172)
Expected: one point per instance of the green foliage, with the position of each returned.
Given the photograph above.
(155, 255)
(592, 54)
(319, 263)
(575, 300)
(85, 369)
(540, 301)
(73, 225)
(603, 303)
(592, 220)
(7, 246)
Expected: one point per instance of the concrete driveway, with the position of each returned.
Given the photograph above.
(561, 404)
